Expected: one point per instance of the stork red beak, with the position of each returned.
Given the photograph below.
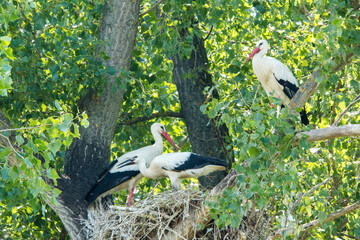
(255, 51)
(166, 135)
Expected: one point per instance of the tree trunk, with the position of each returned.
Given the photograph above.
(88, 156)
(191, 78)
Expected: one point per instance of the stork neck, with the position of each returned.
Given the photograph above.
(260, 54)
(159, 144)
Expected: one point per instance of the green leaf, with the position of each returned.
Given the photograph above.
(6, 67)
(322, 216)
(57, 105)
(234, 69)
(54, 146)
(76, 131)
(63, 127)
(4, 153)
(5, 172)
(19, 139)
(6, 40)
(68, 119)
(337, 22)
(13, 175)
(258, 117)
(203, 108)
(56, 192)
(85, 123)
(241, 178)
(54, 174)
(9, 53)
(111, 70)
(357, 232)
(33, 146)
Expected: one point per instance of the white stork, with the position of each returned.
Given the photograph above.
(118, 176)
(274, 76)
(177, 166)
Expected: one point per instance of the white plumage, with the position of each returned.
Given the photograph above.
(274, 76)
(178, 166)
(119, 176)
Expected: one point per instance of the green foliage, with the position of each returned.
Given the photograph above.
(50, 49)
(272, 171)
(53, 54)
(38, 155)
(5, 68)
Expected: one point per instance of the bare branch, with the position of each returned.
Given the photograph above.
(341, 115)
(152, 116)
(331, 132)
(316, 223)
(308, 193)
(24, 128)
(152, 8)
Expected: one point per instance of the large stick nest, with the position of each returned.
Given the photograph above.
(151, 218)
(157, 216)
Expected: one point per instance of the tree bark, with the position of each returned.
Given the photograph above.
(191, 78)
(88, 156)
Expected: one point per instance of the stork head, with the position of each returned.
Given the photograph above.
(160, 128)
(261, 47)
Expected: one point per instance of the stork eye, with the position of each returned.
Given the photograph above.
(260, 44)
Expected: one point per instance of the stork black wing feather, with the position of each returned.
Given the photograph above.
(107, 169)
(289, 88)
(108, 182)
(196, 161)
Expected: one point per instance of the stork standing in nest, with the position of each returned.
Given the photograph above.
(118, 176)
(177, 166)
(275, 77)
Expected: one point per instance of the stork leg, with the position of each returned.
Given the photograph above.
(175, 184)
(174, 188)
(131, 197)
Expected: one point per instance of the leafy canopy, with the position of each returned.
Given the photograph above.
(50, 49)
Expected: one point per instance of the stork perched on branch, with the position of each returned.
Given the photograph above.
(177, 166)
(274, 76)
(118, 176)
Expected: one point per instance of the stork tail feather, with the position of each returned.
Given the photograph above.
(303, 117)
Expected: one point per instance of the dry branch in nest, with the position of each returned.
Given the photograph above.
(173, 215)
(152, 218)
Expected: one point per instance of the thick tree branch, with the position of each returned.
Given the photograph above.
(308, 88)
(305, 91)
(316, 223)
(152, 116)
(350, 130)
